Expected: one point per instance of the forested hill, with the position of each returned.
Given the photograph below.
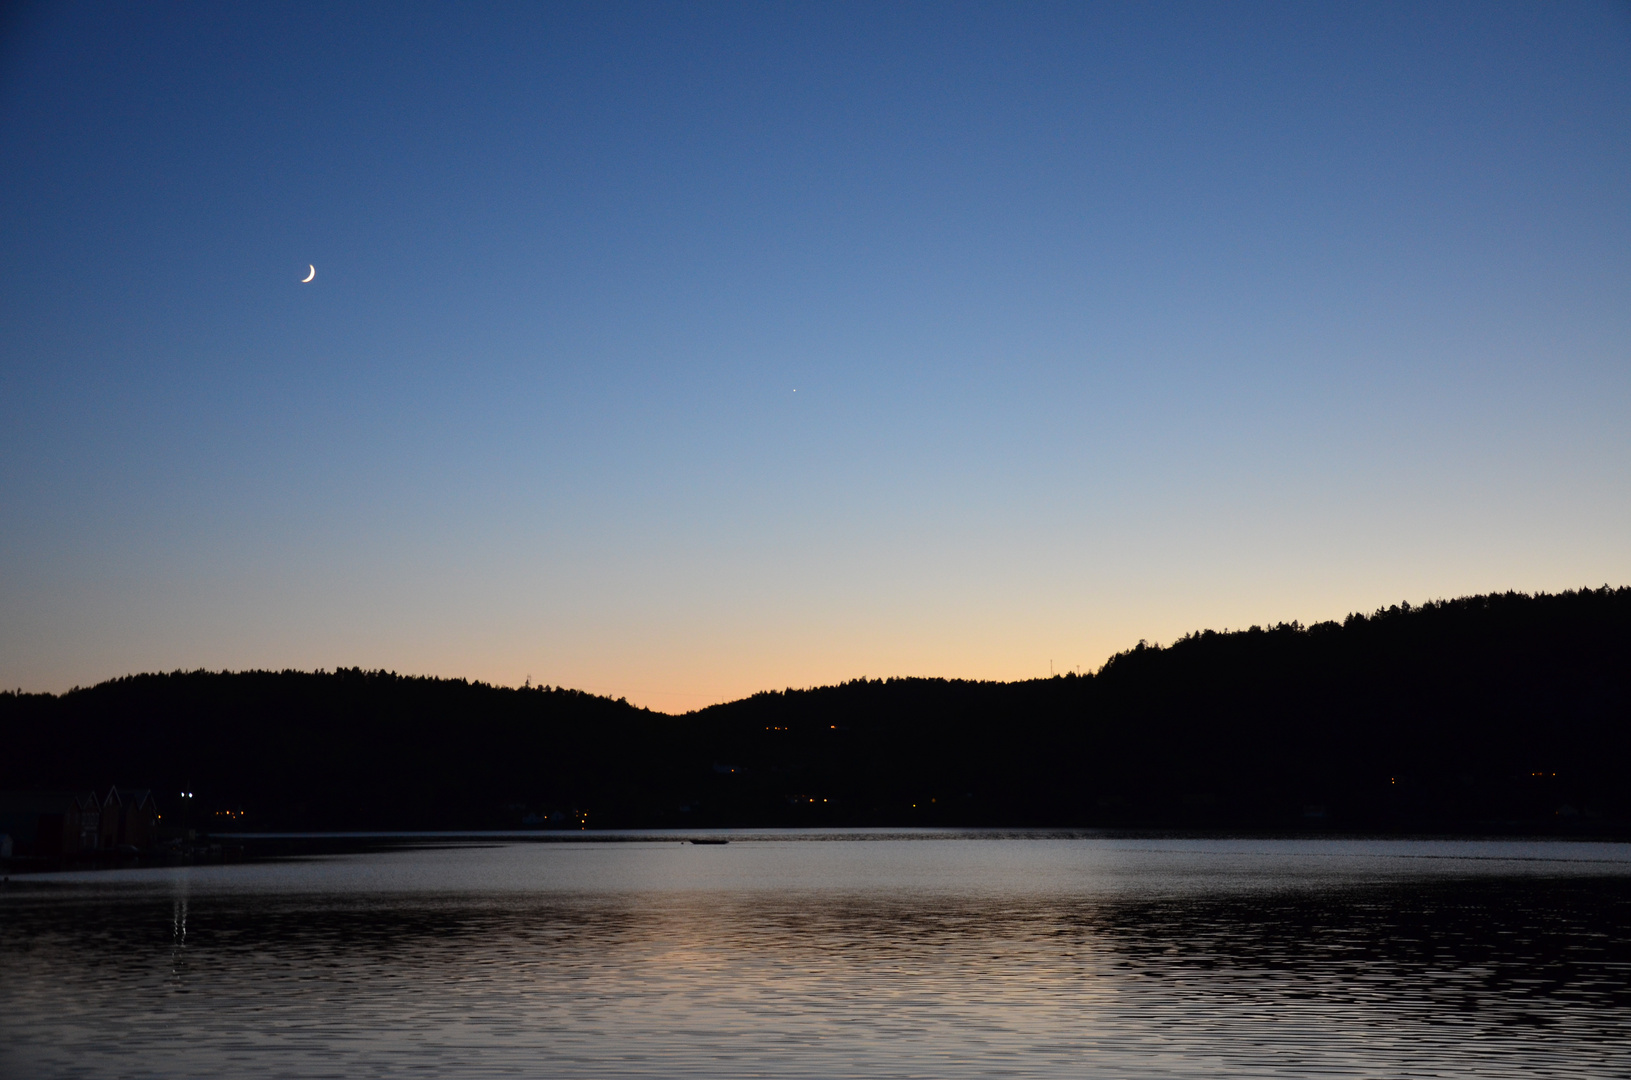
(340, 749)
(1487, 713)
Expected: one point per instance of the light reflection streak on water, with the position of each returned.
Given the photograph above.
(178, 932)
(887, 974)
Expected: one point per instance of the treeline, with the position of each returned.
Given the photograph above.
(1487, 713)
(337, 750)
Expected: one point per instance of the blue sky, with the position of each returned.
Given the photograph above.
(678, 351)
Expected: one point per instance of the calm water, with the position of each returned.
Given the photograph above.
(925, 956)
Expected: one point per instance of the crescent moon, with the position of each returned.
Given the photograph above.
(309, 276)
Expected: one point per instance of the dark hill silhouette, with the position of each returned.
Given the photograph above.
(342, 749)
(1488, 713)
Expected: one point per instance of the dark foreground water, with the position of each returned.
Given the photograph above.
(927, 956)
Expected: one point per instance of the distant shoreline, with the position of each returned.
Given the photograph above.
(1494, 715)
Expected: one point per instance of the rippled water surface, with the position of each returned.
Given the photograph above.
(924, 956)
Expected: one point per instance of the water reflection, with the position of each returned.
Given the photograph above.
(1449, 975)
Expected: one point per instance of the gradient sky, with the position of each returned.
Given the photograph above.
(681, 351)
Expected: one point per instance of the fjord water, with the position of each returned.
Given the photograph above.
(821, 955)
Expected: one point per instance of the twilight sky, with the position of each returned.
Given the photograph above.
(680, 351)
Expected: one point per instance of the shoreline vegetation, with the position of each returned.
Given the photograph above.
(1503, 713)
